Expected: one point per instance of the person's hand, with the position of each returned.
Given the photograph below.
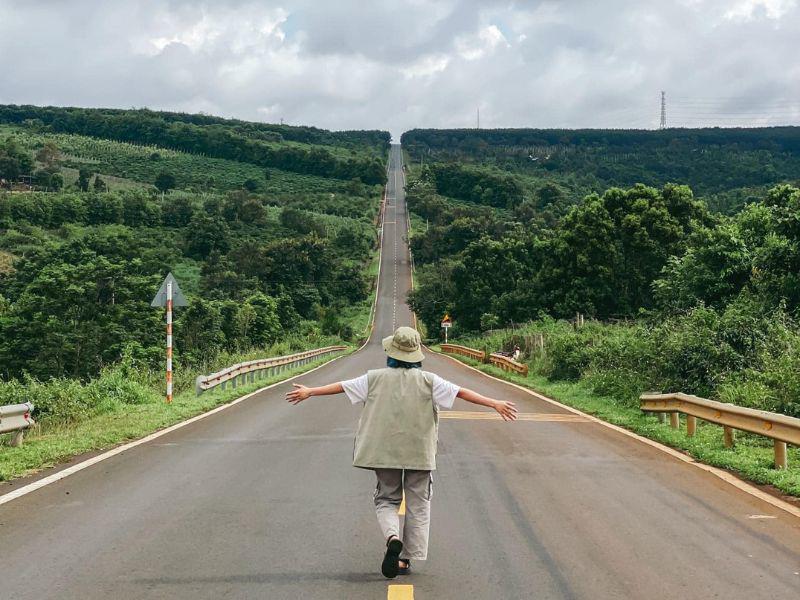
(506, 409)
(298, 394)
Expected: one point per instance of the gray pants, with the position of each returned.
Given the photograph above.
(418, 487)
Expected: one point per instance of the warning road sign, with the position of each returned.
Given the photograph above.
(178, 299)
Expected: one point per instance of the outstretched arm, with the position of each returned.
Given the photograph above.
(301, 392)
(506, 409)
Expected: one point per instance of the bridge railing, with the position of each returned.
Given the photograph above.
(782, 429)
(247, 372)
(15, 419)
(508, 364)
(464, 351)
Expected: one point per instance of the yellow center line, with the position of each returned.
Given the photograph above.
(492, 416)
(400, 592)
(402, 510)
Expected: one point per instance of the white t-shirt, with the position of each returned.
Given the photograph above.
(444, 392)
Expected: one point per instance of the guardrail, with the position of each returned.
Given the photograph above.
(246, 372)
(782, 429)
(508, 364)
(464, 351)
(15, 419)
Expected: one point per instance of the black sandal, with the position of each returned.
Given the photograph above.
(404, 570)
(389, 568)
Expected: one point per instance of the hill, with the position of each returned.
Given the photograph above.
(357, 155)
(677, 297)
(99, 205)
(727, 167)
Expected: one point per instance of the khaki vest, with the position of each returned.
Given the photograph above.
(399, 423)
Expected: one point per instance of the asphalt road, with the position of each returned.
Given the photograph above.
(260, 501)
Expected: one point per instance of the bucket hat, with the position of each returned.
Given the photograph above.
(404, 345)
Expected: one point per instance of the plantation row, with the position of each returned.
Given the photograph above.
(376, 142)
(143, 164)
(214, 140)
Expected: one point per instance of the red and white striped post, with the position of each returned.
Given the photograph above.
(169, 341)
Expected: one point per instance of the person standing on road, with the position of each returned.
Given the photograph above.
(396, 437)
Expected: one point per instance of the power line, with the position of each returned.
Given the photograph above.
(730, 111)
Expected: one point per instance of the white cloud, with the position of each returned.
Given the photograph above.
(396, 65)
(426, 66)
(745, 10)
(473, 47)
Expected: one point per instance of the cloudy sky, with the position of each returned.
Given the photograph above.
(412, 63)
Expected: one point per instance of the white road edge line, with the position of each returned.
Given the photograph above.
(720, 473)
(64, 473)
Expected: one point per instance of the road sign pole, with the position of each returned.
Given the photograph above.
(169, 341)
(167, 296)
(446, 323)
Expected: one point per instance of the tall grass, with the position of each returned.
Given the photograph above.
(739, 355)
(127, 383)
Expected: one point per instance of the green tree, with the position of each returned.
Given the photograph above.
(56, 181)
(68, 208)
(258, 321)
(104, 208)
(50, 157)
(177, 211)
(84, 175)
(14, 161)
(198, 331)
(434, 293)
(77, 305)
(165, 182)
(205, 235)
(251, 185)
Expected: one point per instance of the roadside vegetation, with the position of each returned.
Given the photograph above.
(752, 456)
(94, 213)
(125, 402)
(676, 296)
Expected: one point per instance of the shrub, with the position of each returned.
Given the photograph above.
(568, 356)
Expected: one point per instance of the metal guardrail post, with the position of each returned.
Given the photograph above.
(729, 435)
(780, 454)
(782, 429)
(14, 419)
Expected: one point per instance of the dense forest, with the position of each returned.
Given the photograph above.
(679, 297)
(726, 167)
(89, 227)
